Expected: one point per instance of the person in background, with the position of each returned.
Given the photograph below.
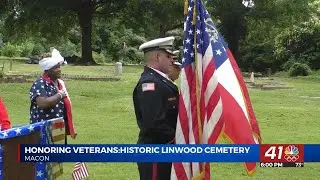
(155, 99)
(175, 69)
(48, 94)
(4, 117)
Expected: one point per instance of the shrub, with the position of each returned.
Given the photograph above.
(26, 49)
(98, 57)
(257, 57)
(67, 49)
(299, 69)
(139, 57)
(38, 49)
(287, 65)
(131, 55)
(119, 42)
(300, 42)
(10, 50)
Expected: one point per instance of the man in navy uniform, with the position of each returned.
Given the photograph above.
(155, 100)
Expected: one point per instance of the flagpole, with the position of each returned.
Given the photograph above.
(201, 175)
(198, 95)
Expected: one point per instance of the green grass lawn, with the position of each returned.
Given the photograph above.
(103, 113)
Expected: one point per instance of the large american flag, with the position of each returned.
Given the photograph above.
(214, 100)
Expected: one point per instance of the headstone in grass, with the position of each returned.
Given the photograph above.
(269, 72)
(252, 77)
(118, 68)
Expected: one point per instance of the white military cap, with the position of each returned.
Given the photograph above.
(158, 44)
(176, 55)
(177, 63)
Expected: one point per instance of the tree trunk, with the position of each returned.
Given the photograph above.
(85, 17)
(234, 30)
(234, 46)
(162, 31)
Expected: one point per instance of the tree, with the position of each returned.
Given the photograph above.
(54, 18)
(116, 42)
(232, 21)
(255, 26)
(154, 17)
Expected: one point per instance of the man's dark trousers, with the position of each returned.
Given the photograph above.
(154, 171)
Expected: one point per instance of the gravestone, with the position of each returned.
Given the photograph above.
(118, 68)
(252, 77)
(269, 72)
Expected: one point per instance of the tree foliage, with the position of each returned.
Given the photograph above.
(154, 18)
(117, 42)
(53, 19)
(266, 20)
(269, 34)
(300, 43)
(231, 21)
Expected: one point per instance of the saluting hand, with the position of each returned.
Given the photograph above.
(62, 93)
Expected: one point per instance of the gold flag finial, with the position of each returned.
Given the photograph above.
(185, 7)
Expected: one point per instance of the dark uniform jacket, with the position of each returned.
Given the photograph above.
(156, 107)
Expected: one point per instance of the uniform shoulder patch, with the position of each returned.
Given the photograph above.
(148, 87)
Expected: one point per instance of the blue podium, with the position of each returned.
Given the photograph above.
(46, 132)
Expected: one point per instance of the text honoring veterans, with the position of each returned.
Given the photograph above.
(135, 150)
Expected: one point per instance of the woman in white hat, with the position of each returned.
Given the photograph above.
(48, 94)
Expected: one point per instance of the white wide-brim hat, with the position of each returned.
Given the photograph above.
(50, 62)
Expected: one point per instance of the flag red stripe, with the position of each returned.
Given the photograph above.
(213, 101)
(85, 169)
(183, 120)
(58, 125)
(216, 132)
(190, 74)
(81, 173)
(250, 167)
(252, 117)
(235, 118)
(207, 172)
(207, 75)
(180, 172)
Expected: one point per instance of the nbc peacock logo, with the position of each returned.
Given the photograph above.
(291, 153)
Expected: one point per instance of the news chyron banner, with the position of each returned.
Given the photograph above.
(268, 155)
